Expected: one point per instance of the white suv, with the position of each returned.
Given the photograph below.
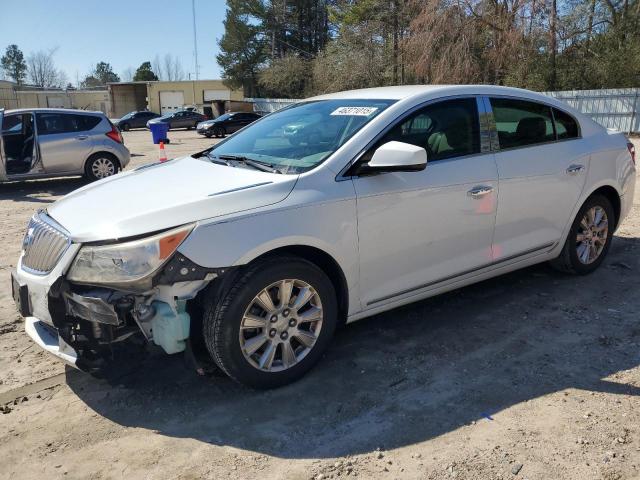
(263, 244)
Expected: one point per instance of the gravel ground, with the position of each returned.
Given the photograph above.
(533, 375)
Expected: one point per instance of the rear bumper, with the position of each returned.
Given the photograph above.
(48, 339)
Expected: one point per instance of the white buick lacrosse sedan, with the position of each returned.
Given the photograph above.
(334, 209)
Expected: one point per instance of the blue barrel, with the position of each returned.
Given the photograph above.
(159, 132)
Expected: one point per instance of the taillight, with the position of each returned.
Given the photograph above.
(115, 135)
(632, 151)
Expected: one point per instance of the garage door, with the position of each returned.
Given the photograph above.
(210, 95)
(171, 101)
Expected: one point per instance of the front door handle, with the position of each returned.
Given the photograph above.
(573, 169)
(82, 137)
(480, 191)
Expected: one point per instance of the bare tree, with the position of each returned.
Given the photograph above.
(173, 68)
(156, 66)
(42, 71)
(168, 67)
(127, 75)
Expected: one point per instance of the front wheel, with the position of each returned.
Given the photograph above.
(273, 324)
(219, 132)
(589, 239)
(101, 165)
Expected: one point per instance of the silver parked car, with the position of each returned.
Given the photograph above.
(263, 244)
(48, 142)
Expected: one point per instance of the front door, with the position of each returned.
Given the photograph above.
(417, 229)
(542, 165)
(19, 150)
(64, 145)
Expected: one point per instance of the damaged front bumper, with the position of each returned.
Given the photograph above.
(81, 324)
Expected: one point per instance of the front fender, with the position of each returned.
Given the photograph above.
(330, 227)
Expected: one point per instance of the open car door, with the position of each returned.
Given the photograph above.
(3, 170)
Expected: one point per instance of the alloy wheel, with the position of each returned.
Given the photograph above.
(592, 235)
(281, 325)
(103, 167)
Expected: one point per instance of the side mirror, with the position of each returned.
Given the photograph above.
(396, 157)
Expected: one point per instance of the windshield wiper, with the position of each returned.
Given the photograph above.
(264, 166)
(215, 159)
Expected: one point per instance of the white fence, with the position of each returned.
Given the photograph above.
(617, 108)
(270, 105)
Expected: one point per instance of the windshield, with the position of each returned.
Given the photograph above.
(226, 116)
(298, 138)
(128, 116)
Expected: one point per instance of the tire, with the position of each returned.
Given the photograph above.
(219, 132)
(230, 346)
(126, 127)
(101, 165)
(577, 257)
(208, 134)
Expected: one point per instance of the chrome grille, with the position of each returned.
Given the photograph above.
(43, 244)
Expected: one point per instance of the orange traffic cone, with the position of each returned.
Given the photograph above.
(163, 154)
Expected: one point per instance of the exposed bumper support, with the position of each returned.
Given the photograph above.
(47, 338)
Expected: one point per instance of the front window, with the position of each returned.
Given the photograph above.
(445, 129)
(298, 138)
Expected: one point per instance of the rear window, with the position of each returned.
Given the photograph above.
(566, 125)
(520, 122)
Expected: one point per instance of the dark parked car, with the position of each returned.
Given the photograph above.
(135, 120)
(181, 119)
(227, 123)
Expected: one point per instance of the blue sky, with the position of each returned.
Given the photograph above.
(124, 33)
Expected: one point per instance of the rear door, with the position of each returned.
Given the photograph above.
(542, 165)
(64, 141)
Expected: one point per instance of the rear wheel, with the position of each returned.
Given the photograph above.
(101, 165)
(273, 324)
(589, 239)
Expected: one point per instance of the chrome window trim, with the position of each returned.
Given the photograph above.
(341, 176)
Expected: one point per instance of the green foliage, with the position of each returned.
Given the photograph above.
(101, 75)
(242, 47)
(144, 73)
(295, 48)
(13, 64)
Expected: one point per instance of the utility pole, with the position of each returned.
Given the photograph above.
(195, 39)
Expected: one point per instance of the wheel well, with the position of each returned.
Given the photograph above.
(327, 264)
(108, 154)
(612, 195)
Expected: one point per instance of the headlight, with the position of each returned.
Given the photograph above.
(126, 263)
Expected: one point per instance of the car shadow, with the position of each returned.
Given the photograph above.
(40, 191)
(409, 374)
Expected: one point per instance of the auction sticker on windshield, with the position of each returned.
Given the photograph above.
(359, 111)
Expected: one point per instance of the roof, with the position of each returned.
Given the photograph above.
(59, 110)
(408, 91)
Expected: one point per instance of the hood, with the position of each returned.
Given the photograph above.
(164, 195)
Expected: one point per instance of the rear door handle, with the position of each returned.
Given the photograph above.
(82, 137)
(480, 191)
(573, 169)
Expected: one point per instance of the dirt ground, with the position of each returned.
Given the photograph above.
(533, 375)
